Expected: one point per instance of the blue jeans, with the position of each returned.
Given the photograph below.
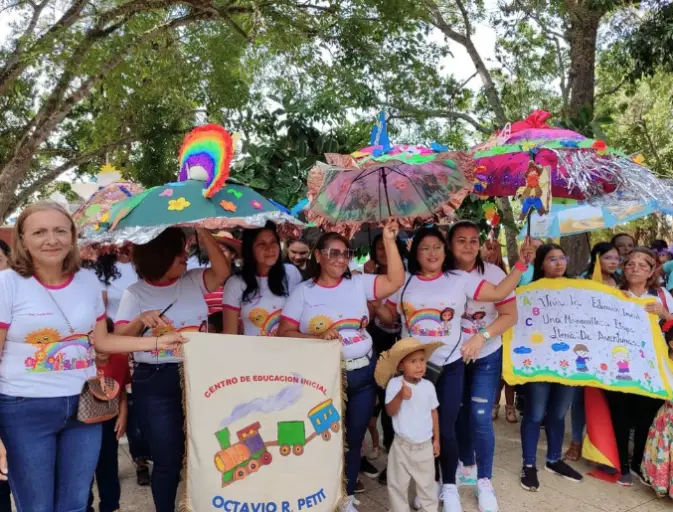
(51, 455)
(577, 415)
(551, 402)
(361, 393)
(137, 442)
(157, 392)
(107, 471)
(475, 426)
(449, 394)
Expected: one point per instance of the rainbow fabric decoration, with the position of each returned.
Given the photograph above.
(271, 323)
(206, 155)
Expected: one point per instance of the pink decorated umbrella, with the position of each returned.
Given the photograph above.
(581, 168)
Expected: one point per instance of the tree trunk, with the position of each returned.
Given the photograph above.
(582, 35)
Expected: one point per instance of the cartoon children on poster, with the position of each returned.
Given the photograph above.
(621, 356)
(582, 353)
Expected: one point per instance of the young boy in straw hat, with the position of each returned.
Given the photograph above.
(411, 401)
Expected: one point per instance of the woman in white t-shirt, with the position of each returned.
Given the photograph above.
(256, 297)
(165, 286)
(50, 314)
(431, 305)
(482, 323)
(628, 411)
(333, 305)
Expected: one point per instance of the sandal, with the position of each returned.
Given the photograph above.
(495, 412)
(511, 414)
(574, 452)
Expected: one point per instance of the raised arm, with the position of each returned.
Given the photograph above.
(393, 280)
(490, 293)
(220, 266)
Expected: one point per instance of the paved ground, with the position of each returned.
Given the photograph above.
(555, 495)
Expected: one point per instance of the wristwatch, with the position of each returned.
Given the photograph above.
(485, 334)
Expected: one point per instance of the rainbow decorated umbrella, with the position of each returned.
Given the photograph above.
(96, 209)
(204, 196)
(581, 168)
(412, 184)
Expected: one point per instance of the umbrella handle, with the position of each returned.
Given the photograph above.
(384, 177)
(528, 216)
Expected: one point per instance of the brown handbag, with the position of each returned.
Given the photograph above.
(99, 400)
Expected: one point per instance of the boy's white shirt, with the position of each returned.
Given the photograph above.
(413, 422)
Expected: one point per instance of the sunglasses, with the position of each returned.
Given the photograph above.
(334, 254)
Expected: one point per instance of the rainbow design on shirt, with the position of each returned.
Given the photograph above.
(270, 325)
(50, 357)
(206, 155)
(421, 315)
(347, 324)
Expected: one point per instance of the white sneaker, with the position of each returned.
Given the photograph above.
(417, 503)
(486, 496)
(466, 476)
(451, 498)
(348, 504)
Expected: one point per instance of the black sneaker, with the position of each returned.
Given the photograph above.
(529, 479)
(143, 476)
(560, 468)
(368, 468)
(383, 477)
(359, 487)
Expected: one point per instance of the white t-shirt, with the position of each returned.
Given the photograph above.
(413, 422)
(478, 315)
(189, 312)
(261, 315)
(647, 295)
(117, 287)
(42, 356)
(316, 309)
(194, 263)
(433, 308)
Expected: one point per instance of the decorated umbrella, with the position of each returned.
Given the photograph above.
(581, 168)
(204, 196)
(413, 184)
(88, 215)
(570, 216)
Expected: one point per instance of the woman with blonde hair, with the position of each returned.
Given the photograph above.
(50, 317)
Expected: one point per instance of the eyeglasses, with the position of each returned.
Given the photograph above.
(662, 252)
(334, 254)
(633, 265)
(560, 259)
(435, 248)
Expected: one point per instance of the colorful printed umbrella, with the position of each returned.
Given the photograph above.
(413, 184)
(570, 217)
(141, 218)
(582, 168)
(88, 216)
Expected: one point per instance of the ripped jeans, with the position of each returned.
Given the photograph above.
(474, 428)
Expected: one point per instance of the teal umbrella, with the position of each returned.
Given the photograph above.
(141, 218)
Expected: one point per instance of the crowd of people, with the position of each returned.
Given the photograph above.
(434, 379)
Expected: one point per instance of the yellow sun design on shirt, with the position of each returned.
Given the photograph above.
(319, 324)
(258, 316)
(42, 336)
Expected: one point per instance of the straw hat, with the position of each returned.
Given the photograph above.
(387, 364)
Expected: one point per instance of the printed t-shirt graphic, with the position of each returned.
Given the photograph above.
(42, 356)
(433, 309)
(316, 309)
(189, 313)
(261, 315)
(478, 315)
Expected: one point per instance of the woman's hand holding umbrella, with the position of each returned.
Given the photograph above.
(527, 252)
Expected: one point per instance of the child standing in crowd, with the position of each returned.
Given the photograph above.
(116, 367)
(411, 401)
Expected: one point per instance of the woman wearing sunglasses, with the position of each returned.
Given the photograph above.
(628, 410)
(332, 305)
(545, 400)
(430, 305)
(605, 261)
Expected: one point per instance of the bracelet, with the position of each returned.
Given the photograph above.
(519, 265)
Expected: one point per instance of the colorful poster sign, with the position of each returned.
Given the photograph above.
(263, 424)
(582, 333)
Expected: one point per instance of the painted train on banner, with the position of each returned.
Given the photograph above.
(239, 460)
